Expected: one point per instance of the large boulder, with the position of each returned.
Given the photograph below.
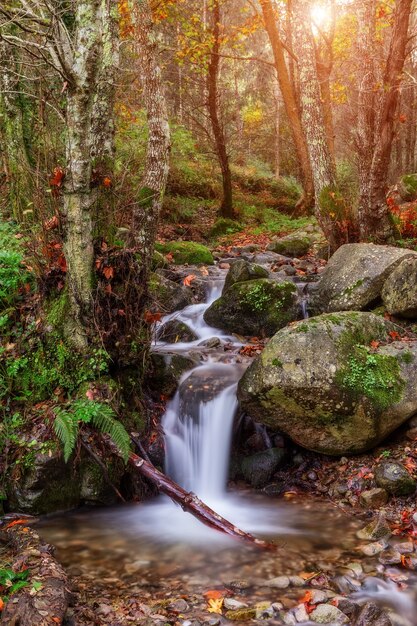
(320, 382)
(293, 245)
(399, 292)
(355, 275)
(241, 271)
(167, 295)
(254, 307)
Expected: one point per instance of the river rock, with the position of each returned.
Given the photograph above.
(291, 245)
(167, 295)
(175, 331)
(259, 468)
(328, 614)
(242, 271)
(399, 293)
(254, 307)
(355, 275)
(373, 498)
(165, 371)
(319, 382)
(394, 478)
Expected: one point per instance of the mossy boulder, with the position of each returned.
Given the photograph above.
(399, 292)
(394, 478)
(320, 382)
(355, 275)
(224, 226)
(291, 245)
(407, 187)
(167, 295)
(254, 307)
(241, 271)
(176, 331)
(186, 252)
(165, 372)
(158, 261)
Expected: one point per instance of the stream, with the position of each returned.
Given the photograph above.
(151, 563)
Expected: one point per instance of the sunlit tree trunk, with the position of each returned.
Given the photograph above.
(149, 202)
(290, 103)
(277, 151)
(377, 111)
(312, 118)
(226, 209)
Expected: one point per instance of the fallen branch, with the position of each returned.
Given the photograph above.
(190, 503)
(46, 602)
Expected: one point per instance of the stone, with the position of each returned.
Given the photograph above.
(373, 498)
(399, 293)
(280, 582)
(175, 331)
(318, 382)
(374, 548)
(407, 187)
(179, 605)
(372, 615)
(390, 557)
(165, 371)
(375, 530)
(168, 296)
(254, 307)
(328, 614)
(300, 613)
(355, 276)
(394, 478)
(259, 468)
(291, 245)
(242, 615)
(233, 605)
(241, 271)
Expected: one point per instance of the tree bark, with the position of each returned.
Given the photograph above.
(145, 217)
(290, 103)
(376, 125)
(226, 209)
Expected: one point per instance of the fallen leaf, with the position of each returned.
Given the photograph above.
(213, 594)
(188, 280)
(16, 522)
(374, 344)
(108, 272)
(1, 604)
(151, 318)
(107, 181)
(215, 605)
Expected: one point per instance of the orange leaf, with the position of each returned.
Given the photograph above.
(108, 272)
(151, 318)
(394, 335)
(306, 597)
(107, 182)
(57, 178)
(1, 604)
(15, 523)
(188, 280)
(374, 344)
(213, 594)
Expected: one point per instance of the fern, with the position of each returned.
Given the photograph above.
(99, 415)
(66, 428)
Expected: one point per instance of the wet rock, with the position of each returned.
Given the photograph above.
(374, 548)
(243, 615)
(348, 607)
(407, 187)
(176, 331)
(389, 557)
(372, 615)
(242, 271)
(239, 585)
(254, 307)
(355, 275)
(328, 614)
(167, 295)
(300, 613)
(212, 343)
(297, 581)
(317, 382)
(179, 605)
(280, 582)
(274, 490)
(373, 498)
(233, 605)
(165, 372)
(291, 245)
(377, 529)
(399, 293)
(394, 478)
(204, 384)
(259, 468)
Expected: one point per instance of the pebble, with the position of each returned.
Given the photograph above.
(297, 581)
(403, 547)
(280, 582)
(318, 596)
(232, 604)
(179, 605)
(300, 613)
(239, 584)
(373, 498)
(377, 529)
(371, 549)
(328, 614)
(389, 557)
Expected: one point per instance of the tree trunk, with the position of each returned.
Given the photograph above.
(277, 151)
(312, 118)
(147, 209)
(226, 209)
(376, 130)
(290, 103)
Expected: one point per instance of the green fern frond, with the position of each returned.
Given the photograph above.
(66, 428)
(106, 422)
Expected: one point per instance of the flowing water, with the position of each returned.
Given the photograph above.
(157, 550)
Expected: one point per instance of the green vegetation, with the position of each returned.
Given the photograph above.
(14, 275)
(408, 186)
(261, 294)
(186, 252)
(375, 376)
(100, 415)
(224, 226)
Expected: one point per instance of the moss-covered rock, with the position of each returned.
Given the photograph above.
(186, 252)
(167, 295)
(291, 245)
(399, 292)
(394, 478)
(165, 372)
(158, 261)
(224, 226)
(320, 382)
(407, 187)
(176, 331)
(254, 307)
(241, 271)
(355, 275)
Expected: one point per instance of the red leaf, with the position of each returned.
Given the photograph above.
(151, 318)
(374, 344)
(62, 262)
(57, 178)
(188, 280)
(108, 272)
(107, 182)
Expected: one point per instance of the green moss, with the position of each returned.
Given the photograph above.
(146, 196)
(186, 252)
(224, 226)
(56, 310)
(406, 357)
(409, 187)
(276, 362)
(262, 294)
(375, 376)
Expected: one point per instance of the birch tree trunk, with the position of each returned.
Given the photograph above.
(147, 209)
(376, 125)
(290, 103)
(322, 164)
(226, 209)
